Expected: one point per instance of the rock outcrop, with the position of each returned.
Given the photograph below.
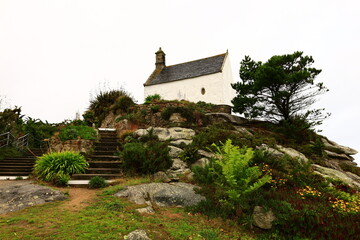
(225, 117)
(293, 153)
(331, 146)
(351, 179)
(18, 196)
(162, 194)
(164, 134)
(280, 151)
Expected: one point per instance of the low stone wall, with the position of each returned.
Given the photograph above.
(78, 145)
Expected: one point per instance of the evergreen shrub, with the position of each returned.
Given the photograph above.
(97, 182)
(147, 155)
(103, 102)
(123, 103)
(74, 132)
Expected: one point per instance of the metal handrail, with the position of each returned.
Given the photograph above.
(22, 141)
(19, 142)
(6, 140)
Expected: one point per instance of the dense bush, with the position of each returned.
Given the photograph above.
(190, 154)
(97, 182)
(89, 117)
(308, 212)
(74, 132)
(147, 155)
(10, 119)
(214, 134)
(123, 103)
(38, 131)
(152, 98)
(296, 129)
(303, 203)
(103, 103)
(57, 166)
(217, 134)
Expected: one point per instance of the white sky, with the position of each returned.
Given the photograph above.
(54, 54)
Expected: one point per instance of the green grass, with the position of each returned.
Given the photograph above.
(112, 218)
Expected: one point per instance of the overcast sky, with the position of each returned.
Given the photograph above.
(55, 54)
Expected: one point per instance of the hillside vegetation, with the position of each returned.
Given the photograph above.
(306, 184)
(261, 180)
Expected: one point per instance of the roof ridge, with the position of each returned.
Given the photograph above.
(218, 55)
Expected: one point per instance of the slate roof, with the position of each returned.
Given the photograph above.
(187, 70)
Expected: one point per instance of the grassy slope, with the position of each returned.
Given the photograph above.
(112, 218)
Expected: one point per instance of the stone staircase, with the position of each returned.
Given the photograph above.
(21, 166)
(103, 162)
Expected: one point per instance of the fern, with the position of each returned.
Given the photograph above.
(236, 175)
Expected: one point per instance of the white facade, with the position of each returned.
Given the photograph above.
(213, 88)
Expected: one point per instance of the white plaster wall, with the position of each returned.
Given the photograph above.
(229, 92)
(217, 88)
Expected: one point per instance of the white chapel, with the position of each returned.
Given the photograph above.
(208, 80)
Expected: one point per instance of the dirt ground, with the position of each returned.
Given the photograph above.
(79, 198)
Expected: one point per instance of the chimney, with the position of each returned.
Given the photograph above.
(160, 59)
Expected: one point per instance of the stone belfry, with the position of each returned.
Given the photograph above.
(160, 59)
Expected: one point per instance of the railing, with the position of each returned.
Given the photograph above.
(4, 139)
(22, 141)
(7, 139)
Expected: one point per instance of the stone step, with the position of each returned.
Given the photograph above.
(107, 143)
(104, 152)
(16, 169)
(101, 144)
(83, 183)
(14, 161)
(109, 137)
(11, 163)
(103, 171)
(106, 148)
(105, 164)
(89, 176)
(104, 158)
(18, 166)
(22, 158)
(15, 173)
(107, 133)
